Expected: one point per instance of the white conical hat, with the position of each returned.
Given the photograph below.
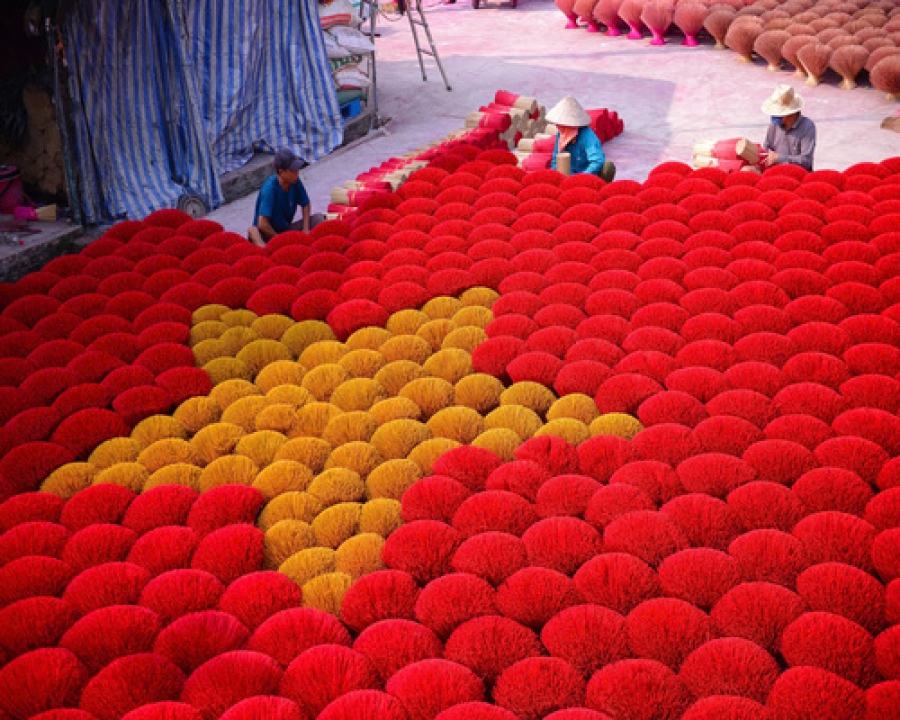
(783, 101)
(569, 113)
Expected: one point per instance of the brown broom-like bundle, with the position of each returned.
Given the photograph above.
(741, 36)
(767, 4)
(774, 15)
(689, 17)
(822, 24)
(607, 12)
(778, 24)
(848, 62)
(630, 11)
(876, 56)
(657, 15)
(801, 29)
(825, 36)
(854, 26)
(814, 58)
(750, 11)
(839, 18)
(717, 24)
(868, 34)
(768, 46)
(790, 49)
(806, 17)
(872, 44)
(885, 76)
(875, 20)
(894, 37)
(842, 41)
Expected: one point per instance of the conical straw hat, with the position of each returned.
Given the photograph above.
(783, 101)
(569, 113)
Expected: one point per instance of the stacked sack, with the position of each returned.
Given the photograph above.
(347, 48)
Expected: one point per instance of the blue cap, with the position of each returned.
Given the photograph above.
(286, 160)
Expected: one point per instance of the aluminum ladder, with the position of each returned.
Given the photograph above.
(416, 16)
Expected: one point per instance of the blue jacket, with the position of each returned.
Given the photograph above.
(586, 151)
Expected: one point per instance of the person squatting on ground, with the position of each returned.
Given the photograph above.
(791, 137)
(278, 200)
(579, 140)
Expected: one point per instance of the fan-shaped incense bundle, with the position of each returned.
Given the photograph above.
(566, 7)
(847, 62)
(585, 10)
(630, 12)
(872, 44)
(801, 29)
(689, 17)
(741, 36)
(790, 49)
(657, 15)
(879, 54)
(814, 58)
(825, 36)
(717, 24)
(885, 76)
(777, 24)
(607, 12)
(842, 41)
(768, 46)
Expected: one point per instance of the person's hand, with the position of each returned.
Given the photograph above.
(771, 159)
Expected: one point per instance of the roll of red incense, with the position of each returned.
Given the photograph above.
(502, 446)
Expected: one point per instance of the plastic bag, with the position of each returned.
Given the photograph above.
(337, 12)
(351, 39)
(333, 49)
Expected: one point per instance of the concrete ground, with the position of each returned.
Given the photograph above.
(669, 97)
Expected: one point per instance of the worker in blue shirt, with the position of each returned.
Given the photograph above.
(791, 137)
(279, 198)
(578, 139)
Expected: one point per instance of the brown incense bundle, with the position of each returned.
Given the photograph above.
(607, 12)
(778, 24)
(801, 29)
(630, 12)
(717, 24)
(825, 36)
(885, 76)
(876, 56)
(768, 46)
(841, 41)
(872, 44)
(741, 35)
(814, 58)
(790, 49)
(848, 62)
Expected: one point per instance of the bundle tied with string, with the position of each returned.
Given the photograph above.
(657, 15)
(630, 11)
(792, 47)
(689, 18)
(848, 61)
(717, 24)
(769, 45)
(607, 12)
(885, 76)
(741, 36)
(814, 57)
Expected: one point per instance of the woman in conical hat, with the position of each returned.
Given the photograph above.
(579, 140)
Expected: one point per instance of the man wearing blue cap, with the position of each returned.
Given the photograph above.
(278, 200)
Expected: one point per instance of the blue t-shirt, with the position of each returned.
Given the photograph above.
(279, 205)
(586, 151)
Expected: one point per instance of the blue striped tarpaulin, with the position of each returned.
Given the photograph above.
(168, 95)
(139, 140)
(263, 78)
